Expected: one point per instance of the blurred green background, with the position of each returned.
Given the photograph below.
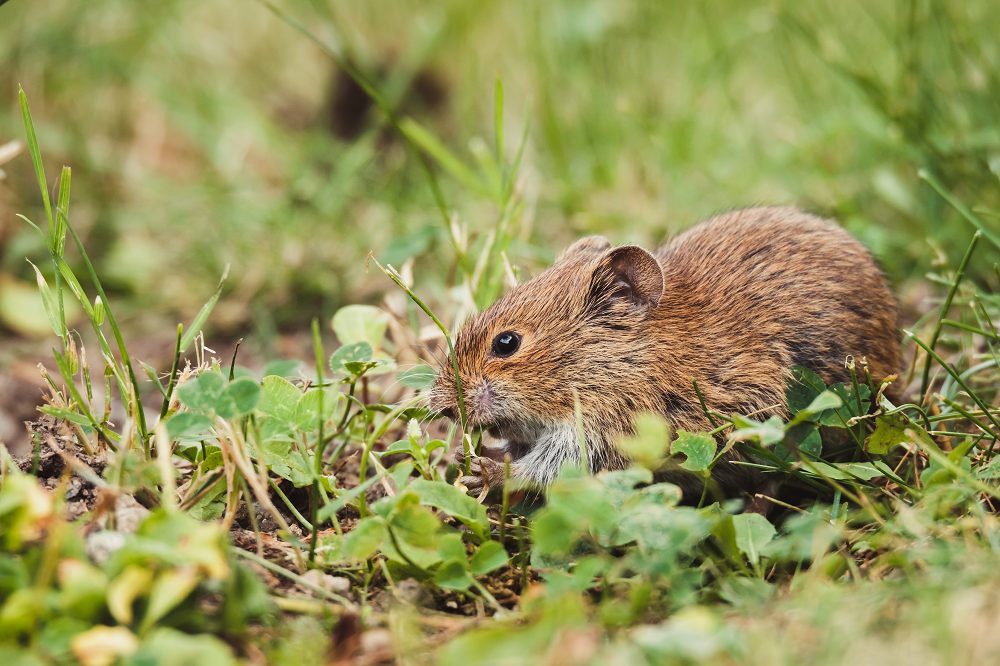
(202, 133)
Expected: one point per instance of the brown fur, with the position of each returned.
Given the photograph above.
(734, 302)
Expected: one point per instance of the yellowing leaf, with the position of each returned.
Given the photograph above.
(103, 646)
(171, 588)
(130, 584)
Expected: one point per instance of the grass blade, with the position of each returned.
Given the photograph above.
(202, 315)
(127, 361)
(48, 300)
(957, 377)
(36, 159)
(448, 161)
(62, 212)
(498, 119)
(74, 286)
(376, 97)
(944, 311)
(958, 205)
(153, 377)
(395, 277)
(516, 164)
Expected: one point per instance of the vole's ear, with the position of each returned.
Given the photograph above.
(631, 273)
(585, 247)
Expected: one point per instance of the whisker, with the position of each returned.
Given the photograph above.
(430, 351)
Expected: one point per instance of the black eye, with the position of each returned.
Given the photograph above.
(506, 343)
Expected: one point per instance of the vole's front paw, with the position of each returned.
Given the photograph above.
(482, 471)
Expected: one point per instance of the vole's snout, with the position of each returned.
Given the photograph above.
(481, 402)
(443, 401)
(483, 397)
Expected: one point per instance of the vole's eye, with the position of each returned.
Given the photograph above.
(506, 343)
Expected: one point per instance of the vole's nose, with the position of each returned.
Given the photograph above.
(448, 413)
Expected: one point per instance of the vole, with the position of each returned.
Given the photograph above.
(734, 303)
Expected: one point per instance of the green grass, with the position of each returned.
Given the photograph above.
(642, 119)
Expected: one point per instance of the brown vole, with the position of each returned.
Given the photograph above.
(734, 302)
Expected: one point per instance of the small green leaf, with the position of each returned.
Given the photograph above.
(36, 156)
(490, 556)
(203, 392)
(454, 502)
(753, 532)
(649, 445)
(357, 368)
(770, 431)
(991, 470)
(244, 393)
(278, 399)
(421, 414)
(451, 547)
(362, 542)
(170, 589)
(360, 323)
(821, 403)
(212, 505)
(187, 425)
(452, 576)
(355, 352)
(420, 377)
(307, 409)
(699, 449)
(416, 525)
(62, 212)
(890, 431)
(288, 463)
(400, 475)
(402, 446)
(74, 285)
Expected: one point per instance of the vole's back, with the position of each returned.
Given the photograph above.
(752, 293)
(769, 288)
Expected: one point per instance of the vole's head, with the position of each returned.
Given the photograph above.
(579, 326)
